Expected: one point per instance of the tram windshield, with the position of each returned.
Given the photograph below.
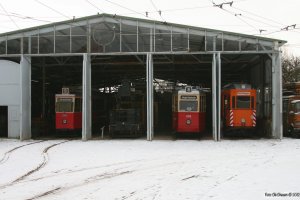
(188, 105)
(243, 102)
(297, 107)
(64, 105)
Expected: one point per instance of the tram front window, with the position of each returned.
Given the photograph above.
(297, 107)
(64, 105)
(243, 102)
(188, 105)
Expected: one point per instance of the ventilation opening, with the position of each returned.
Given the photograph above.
(3, 121)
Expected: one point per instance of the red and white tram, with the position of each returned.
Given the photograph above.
(68, 112)
(189, 110)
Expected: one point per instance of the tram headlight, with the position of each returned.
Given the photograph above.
(188, 121)
(64, 121)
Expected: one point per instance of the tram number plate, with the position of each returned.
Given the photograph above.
(188, 116)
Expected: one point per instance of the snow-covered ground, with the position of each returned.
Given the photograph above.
(161, 169)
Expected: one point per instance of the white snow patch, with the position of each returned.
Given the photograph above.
(138, 169)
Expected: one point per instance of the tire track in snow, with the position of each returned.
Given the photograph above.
(131, 194)
(116, 164)
(103, 176)
(8, 153)
(232, 177)
(40, 166)
(72, 171)
(45, 194)
(89, 180)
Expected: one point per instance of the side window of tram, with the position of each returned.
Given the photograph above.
(233, 102)
(78, 104)
(202, 103)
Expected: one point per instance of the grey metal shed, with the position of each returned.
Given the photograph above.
(104, 34)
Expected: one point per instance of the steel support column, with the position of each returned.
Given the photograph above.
(86, 98)
(149, 75)
(218, 59)
(25, 100)
(44, 90)
(276, 96)
(216, 96)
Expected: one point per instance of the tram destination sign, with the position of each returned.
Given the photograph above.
(64, 99)
(185, 97)
(243, 93)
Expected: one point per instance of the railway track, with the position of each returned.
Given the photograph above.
(40, 166)
(8, 153)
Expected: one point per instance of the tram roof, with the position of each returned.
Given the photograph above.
(237, 86)
(295, 101)
(106, 33)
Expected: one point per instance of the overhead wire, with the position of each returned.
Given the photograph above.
(258, 21)
(231, 13)
(9, 16)
(23, 17)
(153, 5)
(240, 16)
(172, 10)
(279, 24)
(262, 17)
(281, 30)
(135, 12)
(158, 11)
(182, 9)
(269, 33)
(160, 14)
(54, 10)
(92, 4)
(124, 7)
(244, 21)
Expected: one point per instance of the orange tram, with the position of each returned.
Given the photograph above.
(68, 114)
(238, 108)
(189, 110)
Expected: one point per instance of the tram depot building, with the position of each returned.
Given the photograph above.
(94, 57)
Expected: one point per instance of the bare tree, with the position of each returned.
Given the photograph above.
(290, 68)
